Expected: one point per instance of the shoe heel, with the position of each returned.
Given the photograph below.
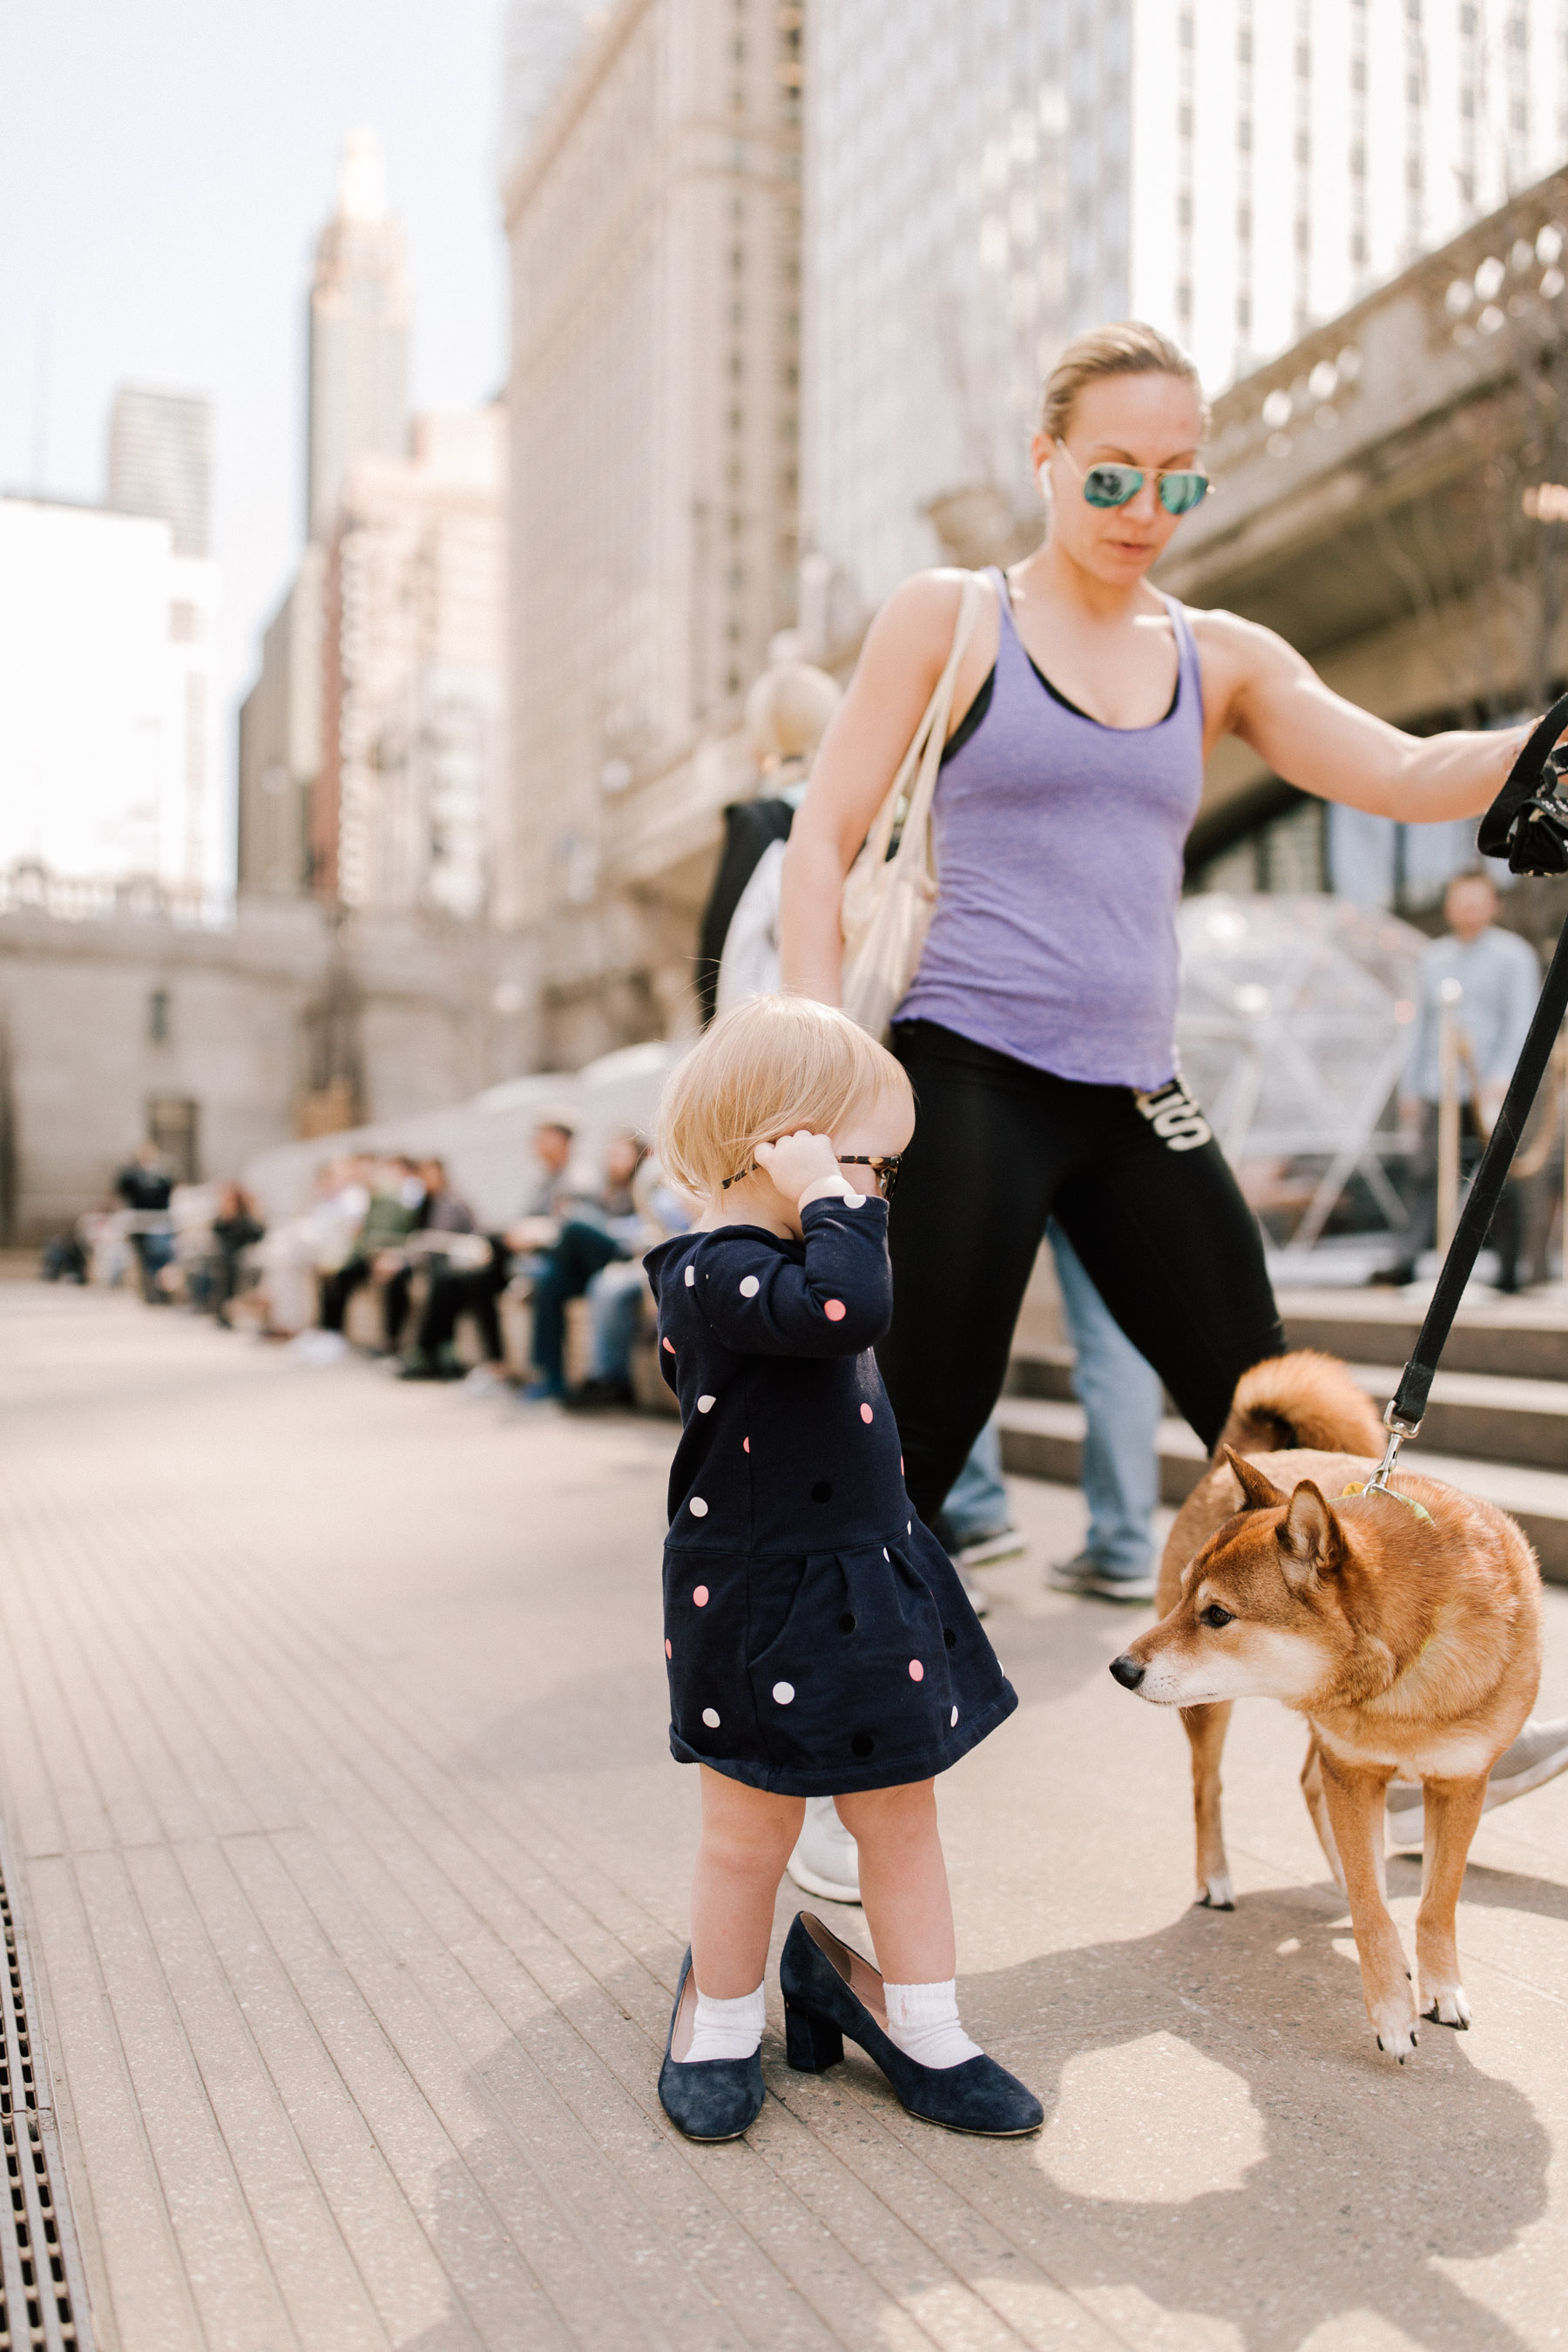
(812, 2045)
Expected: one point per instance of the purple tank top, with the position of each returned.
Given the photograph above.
(1058, 856)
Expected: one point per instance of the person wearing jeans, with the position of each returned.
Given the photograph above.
(1121, 1399)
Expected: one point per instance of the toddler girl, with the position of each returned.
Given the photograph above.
(817, 1637)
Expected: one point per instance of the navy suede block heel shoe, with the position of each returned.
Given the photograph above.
(830, 1992)
(717, 2098)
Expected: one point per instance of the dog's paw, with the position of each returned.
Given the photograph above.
(1216, 1894)
(1393, 2022)
(1449, 2007)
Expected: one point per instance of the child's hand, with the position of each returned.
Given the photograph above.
(802, 1166)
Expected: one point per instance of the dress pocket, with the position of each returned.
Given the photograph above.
(857, 1671)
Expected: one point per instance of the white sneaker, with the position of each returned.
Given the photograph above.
(1537, 1755)
(481, 1381)
(827, 1859)
(1007, 1543)
(319, 1346)
(1086, 1576)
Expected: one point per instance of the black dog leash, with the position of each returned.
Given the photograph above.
(1528, 825)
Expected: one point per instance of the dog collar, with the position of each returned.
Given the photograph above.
(1359, 1486)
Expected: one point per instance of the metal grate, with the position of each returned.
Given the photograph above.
(43, 2306)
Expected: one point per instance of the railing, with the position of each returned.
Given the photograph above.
(29, 888)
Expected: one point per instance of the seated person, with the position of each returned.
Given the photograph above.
(146, 1187)
(456, 1290)
(619, 1295)
(605, 1229)
(441, 1211)
(397, 1197)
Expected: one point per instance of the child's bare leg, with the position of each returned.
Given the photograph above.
(903, 1880)
(747, 1838)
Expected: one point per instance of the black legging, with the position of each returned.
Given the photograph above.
(1145, 1196)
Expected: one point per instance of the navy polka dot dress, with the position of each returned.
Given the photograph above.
(817, 1636)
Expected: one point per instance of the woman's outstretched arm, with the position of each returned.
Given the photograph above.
(904, 654)
(1258, 686)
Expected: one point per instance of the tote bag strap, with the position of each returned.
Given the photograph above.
(933, 722)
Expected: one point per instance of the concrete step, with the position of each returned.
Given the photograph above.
(1043, 1438)
(1519, 1339)
(1490, 1415)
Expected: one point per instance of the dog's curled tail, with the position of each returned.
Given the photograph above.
(1304, 1399)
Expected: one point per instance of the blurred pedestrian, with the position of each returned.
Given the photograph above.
(1499, 979)
(146, 1185)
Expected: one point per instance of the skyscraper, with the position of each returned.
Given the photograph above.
(359, 335)
(1233, 170)
(654, 229)
(159, 462)
(542, 40)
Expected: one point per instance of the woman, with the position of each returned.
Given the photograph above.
(1039, 1031)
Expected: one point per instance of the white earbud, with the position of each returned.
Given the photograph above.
(1042, 477)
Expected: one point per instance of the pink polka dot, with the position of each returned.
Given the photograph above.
(745, 1444)
(866, 1413)
(667, 1651)
(916, 1672)
(900, 1465)
(835, 1309)
(667, 1345)
(700, 1596)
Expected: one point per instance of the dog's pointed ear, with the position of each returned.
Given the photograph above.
(1310, 1544)
(1258, 1493)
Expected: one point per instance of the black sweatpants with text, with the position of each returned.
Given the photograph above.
(1146, 1197)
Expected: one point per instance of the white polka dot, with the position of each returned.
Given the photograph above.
(711, 1718)
(698, 1507)
(853, 1199)
(691, 1277)
(908, 1527)
(749, 1286)
(886, 1555)
(706, 1404)
(952, 1719)
(783, 1693)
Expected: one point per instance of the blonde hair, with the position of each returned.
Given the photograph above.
(764, 1069)
(1128, 348)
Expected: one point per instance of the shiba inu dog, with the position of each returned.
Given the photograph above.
(1404, 1624)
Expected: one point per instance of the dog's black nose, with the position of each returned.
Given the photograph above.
(1128, 1672)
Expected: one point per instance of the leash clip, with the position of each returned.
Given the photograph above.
(1399, 1428)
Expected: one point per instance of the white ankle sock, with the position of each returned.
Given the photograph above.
(727, 2029)
(922, 2022)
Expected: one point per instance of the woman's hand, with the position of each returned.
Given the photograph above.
(803, 1167)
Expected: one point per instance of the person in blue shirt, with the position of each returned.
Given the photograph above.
(1499, 979)
(816, 1636)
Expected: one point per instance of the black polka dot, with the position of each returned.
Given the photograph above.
(862, 1744)
(822, 1492)
(847, 1622)
(950, 1637)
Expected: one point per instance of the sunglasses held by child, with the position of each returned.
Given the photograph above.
(818, 1639)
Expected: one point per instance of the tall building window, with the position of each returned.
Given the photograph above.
(1359, 246)
(1244, 169)
(1414, 131)
(1302, 305)
(1186, 43)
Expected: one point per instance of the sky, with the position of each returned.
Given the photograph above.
(164, 167)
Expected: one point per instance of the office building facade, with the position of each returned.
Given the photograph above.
(1236, 171)
(109, 767)
(405, 810)
(654, 226)
(159, 462)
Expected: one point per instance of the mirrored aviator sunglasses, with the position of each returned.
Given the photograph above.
(1112, 486)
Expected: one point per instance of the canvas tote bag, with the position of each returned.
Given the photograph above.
(887, 902)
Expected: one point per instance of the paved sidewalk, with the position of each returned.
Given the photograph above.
(354, 1863)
